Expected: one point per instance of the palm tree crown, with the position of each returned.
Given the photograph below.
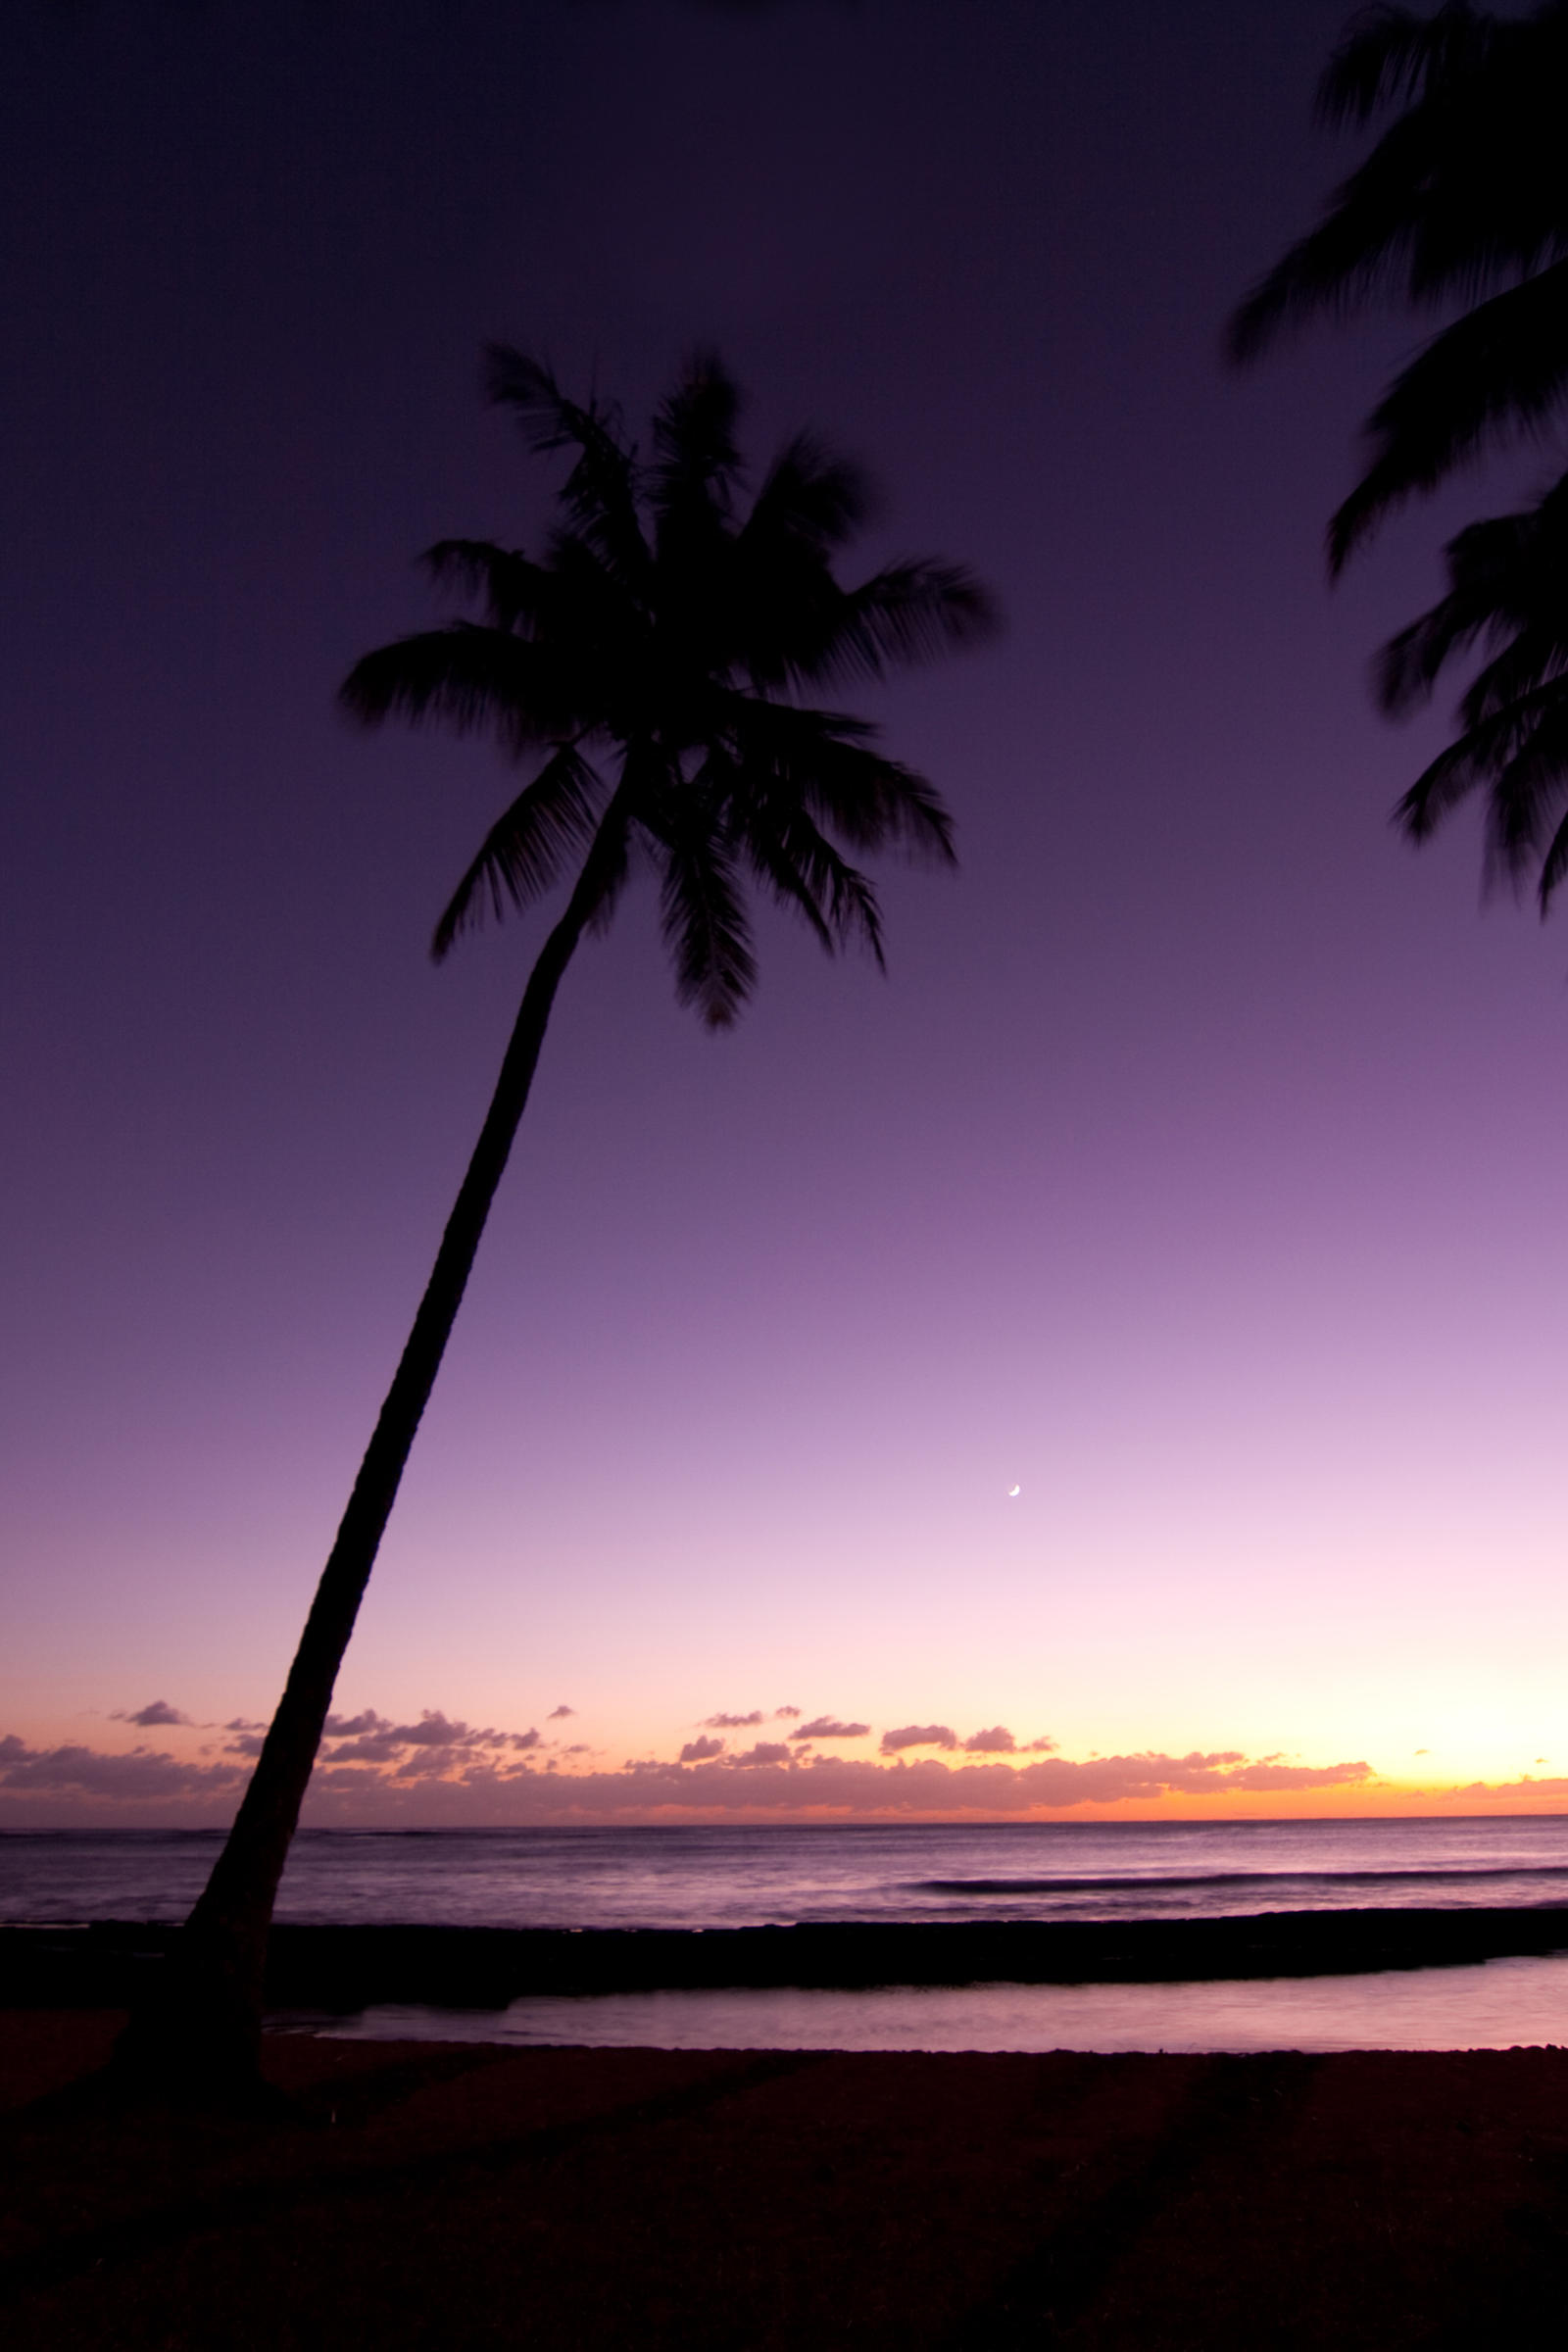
(654, 660)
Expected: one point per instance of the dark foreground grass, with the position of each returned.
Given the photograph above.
(455, 2196)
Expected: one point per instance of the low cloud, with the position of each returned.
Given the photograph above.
(560, 1714)
(375, 1749)
(424, 1764)
(435, 1731)
(155, 1716)
(786, 1714)
(733, 1723)
(85, 1772)
(372, 1738)
(441, 1770)
(1526, 1786)
(757, 1783)
(1241, 1775)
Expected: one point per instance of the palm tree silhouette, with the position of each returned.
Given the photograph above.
(1464, 196)
(653, 662)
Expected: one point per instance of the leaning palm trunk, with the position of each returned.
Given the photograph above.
(201, 2029)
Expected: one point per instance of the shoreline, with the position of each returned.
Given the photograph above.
(105, 1964)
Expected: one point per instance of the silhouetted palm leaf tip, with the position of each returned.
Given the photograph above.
(1508, 593)
(654, 662)
(1463, 201)
(1464, 198)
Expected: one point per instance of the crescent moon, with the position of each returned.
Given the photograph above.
(1011, 1492)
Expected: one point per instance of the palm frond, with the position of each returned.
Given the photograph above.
(1507, 586)
(1478, 563)
(703, 921)
(619, 858)
(1462, 194)
(1406, 668)
(826, 761)
(1502, 751)
(772, 865)
(877, 803)
(910, 612)
(1393, 53)
(512, 587)
(811, 499)
(1447, 780)
(471, 678)
(1365, 236)
(696, 457)
(779, 607)
(601, 491)
(1526, 797)
(526, 848)
(1530, 660)
(1553, 866)
(794, 626)
(806, 873)
(1500, 370)
(550, 418)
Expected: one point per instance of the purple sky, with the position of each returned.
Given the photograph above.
(1196, 1169)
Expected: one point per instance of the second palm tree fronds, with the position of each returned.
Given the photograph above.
(652, 666)
(1463, 201)
(1508, 594)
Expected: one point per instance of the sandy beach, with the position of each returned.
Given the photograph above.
(430, 2194)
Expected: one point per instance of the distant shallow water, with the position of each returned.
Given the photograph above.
(1503, 2004)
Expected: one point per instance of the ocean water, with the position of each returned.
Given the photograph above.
(742, 1877)
(773, 1874)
